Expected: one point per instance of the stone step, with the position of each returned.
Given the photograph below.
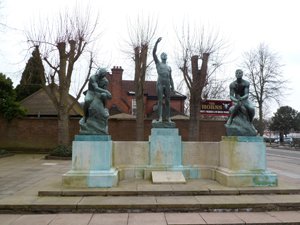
(100, 204)
(208, 192)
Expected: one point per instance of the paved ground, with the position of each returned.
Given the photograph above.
(151, 218)
(23, 176)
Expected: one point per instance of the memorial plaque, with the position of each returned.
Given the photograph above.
(168, 177)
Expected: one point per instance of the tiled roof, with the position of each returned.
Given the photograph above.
(39, 103)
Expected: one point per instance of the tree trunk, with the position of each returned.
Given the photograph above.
(139, 82)
(63, 127)
(140, 118)
(260, 121)
(194, 120)
(63, 115)
(281, 138)
(194, 100)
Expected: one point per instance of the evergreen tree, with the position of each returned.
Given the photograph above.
(33, 77)
(285, 119)
(9, 108)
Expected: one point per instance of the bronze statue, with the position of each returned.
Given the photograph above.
(164, 85)
(95, 114)
(242, 112)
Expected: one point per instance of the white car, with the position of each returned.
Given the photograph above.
(286, 140)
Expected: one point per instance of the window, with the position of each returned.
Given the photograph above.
(133, 106)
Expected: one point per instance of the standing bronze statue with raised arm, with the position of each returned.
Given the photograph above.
(164, 85)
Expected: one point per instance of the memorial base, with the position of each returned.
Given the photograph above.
(245, 179)
(165, 147)
(91, 163)
(243, 163)
(107, 178)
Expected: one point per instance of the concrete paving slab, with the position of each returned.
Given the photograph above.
(252, 199)
(57, 200)
(71, 219)
(147, 219)
(218, 199)
(53, 204)
(109, 219)
(17, 200)
(43, 219)
(286, 216)
(218, 189)
(257, 218)
(176, 201)
(7, 219)
(127, 185)
(154, 187)
(285, 188)
(118, 203)
(221, 218)
(184, 219)
(285, 198)
(191, 187)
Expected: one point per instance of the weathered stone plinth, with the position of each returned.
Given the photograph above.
(243, 162)
(165, 153)
(91, 163)
(165, 147)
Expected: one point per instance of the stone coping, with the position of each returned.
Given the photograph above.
(165, 193)
(191, 188)
(92, 137)
(243, 138)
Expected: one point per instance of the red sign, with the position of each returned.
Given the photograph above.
(215, 107)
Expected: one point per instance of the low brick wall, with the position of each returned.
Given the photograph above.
(40, 134)
(124, 130)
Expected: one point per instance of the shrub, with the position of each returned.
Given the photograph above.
(3, 152)
(62, 151)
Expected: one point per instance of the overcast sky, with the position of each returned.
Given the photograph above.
(243, 23)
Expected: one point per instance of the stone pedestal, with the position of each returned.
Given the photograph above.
(165, 147)
(243, 162)
(165, 152)
(91, 162)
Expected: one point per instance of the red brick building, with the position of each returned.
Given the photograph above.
(123, 96)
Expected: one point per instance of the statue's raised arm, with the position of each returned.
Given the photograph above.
(156, 60)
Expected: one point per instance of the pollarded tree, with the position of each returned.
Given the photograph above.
(33, 77)
(285, 119)
(140, 35)
(263, 69)
(62, 43)
(199, 45)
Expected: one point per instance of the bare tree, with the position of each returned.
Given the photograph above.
(263, 69)
(141, 33)
(62, 42)
(195, 45)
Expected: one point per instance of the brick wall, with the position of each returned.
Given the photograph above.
(40, 134)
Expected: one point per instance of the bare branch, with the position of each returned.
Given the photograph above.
(264, 71)
(62, 42)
